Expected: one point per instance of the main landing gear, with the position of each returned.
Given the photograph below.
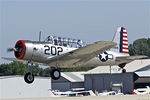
(55, 73)
(29, 77)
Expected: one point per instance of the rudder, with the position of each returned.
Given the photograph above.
(121, 39)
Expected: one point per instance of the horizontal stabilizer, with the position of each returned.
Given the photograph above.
(127, 59)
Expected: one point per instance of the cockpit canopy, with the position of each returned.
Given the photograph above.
(66, 42)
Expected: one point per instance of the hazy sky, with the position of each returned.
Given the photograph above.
(90, 20)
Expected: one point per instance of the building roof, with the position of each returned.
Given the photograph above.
(143, 73)
(73, 76)
(134, 66)
(144, 77)
(138, 65)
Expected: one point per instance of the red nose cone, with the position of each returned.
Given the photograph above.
(20, 49)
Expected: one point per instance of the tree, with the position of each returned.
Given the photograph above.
(17, 68)
(140, 47)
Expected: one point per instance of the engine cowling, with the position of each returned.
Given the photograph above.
(24, 50)
(20, 49)
(29, 50)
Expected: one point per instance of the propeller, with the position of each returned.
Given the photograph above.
(11, 49)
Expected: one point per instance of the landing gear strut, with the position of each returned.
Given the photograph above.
(122, 67)
(55, 74)
(29, 77)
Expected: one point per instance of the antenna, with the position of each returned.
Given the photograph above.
(40, 36)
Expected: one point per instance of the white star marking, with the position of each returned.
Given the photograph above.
(103, 56)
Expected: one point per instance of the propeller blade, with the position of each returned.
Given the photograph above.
(11, 49)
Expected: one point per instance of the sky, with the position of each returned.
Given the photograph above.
(89, 20)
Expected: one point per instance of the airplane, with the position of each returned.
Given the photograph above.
(67, 52)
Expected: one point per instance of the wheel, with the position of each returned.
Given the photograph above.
(123, 70)
(55, 74)
(29, 78)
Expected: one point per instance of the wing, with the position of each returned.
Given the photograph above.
(128, 59)
(80, 56)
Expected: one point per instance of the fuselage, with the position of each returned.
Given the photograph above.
(41, 52)
(68, 52)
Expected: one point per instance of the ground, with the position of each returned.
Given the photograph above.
(120, 97)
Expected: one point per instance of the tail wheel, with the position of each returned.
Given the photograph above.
(55, 74)
(29, 78)
(123, 70)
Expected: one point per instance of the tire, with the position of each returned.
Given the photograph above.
(55, 74)
(123, 70)
(29, 78)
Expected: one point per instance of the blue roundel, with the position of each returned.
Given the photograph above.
(103, 57)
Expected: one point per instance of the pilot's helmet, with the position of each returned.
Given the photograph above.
(59, 38)
(80, 41)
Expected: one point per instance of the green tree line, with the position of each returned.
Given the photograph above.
(18, 68)
(139, 47)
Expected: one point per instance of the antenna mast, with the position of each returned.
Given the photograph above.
(40, 36)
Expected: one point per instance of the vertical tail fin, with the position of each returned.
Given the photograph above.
(121, 39)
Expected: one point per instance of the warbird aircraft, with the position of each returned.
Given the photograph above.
(66, 52)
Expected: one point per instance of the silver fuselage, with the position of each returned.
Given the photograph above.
(41, 52)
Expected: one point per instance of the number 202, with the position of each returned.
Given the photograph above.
(53, 49)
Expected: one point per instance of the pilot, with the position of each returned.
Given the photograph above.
(55, 40)
(59, 41)
(80, 43)
(50, 39)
